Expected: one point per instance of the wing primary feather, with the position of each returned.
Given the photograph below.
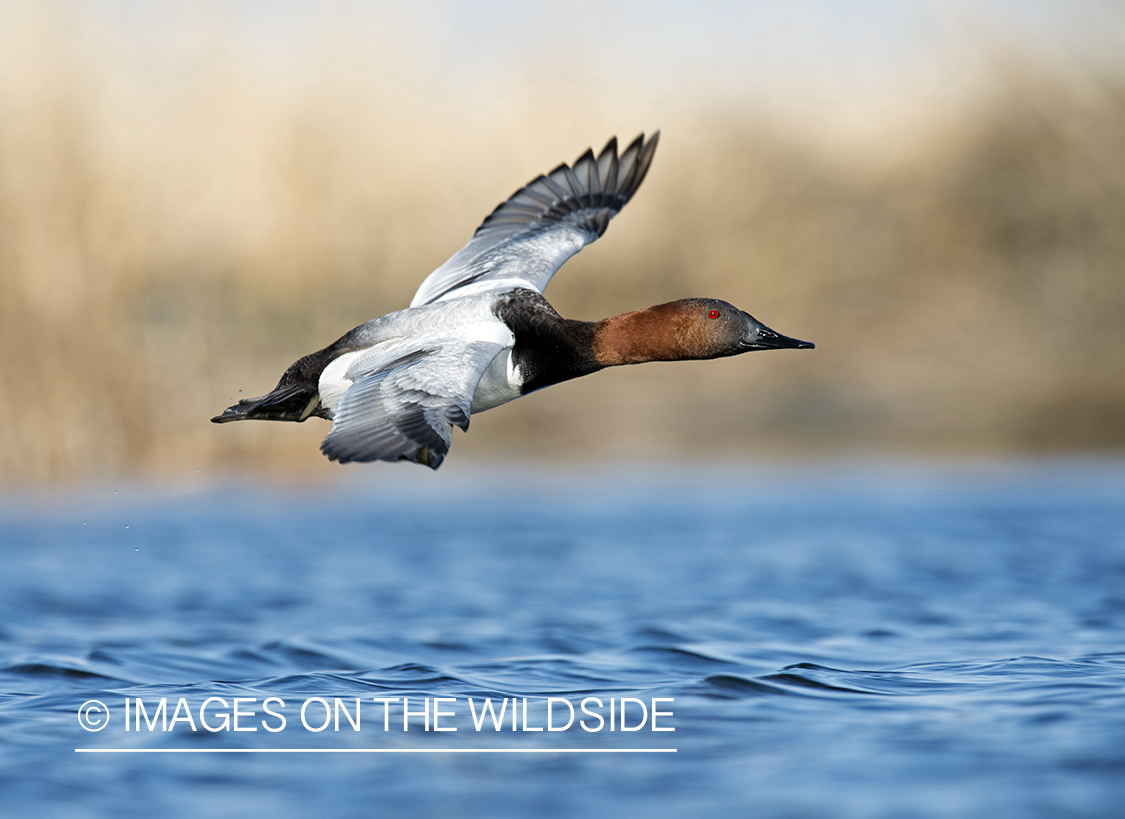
(607, 166)
(532, 192)
(628, 165)
(564, 177)
(586, 168)
(552, 184)
(644, 159)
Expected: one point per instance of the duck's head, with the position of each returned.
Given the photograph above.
(683, 330)
(730, 331)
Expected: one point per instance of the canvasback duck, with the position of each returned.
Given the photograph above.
(479, 333)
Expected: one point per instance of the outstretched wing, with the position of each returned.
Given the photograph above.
(406, 409)
(526, 239)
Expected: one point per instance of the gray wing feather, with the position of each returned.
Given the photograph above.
(406, 409)
(529, 237)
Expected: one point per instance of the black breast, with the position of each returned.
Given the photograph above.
(548, 348)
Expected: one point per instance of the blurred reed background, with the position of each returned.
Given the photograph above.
(184, 211)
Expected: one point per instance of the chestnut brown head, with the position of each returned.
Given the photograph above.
(712, 329)
(683, 330)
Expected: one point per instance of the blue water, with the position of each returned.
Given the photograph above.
(852, 641)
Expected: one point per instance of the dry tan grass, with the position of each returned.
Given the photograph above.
(162, 247)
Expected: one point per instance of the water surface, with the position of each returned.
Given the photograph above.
(850, 641)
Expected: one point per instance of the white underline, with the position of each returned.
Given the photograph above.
(375, 750)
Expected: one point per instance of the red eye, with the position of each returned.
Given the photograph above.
(713, 314)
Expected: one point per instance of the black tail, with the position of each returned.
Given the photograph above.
(297, 395)
(286, 403)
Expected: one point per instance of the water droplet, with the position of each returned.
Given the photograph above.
(126, 525)
(240, 392)
(136, 548)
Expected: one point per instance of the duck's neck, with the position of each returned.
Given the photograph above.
(653, 334)
(550, 349)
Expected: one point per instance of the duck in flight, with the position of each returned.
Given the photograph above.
(479, 332)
